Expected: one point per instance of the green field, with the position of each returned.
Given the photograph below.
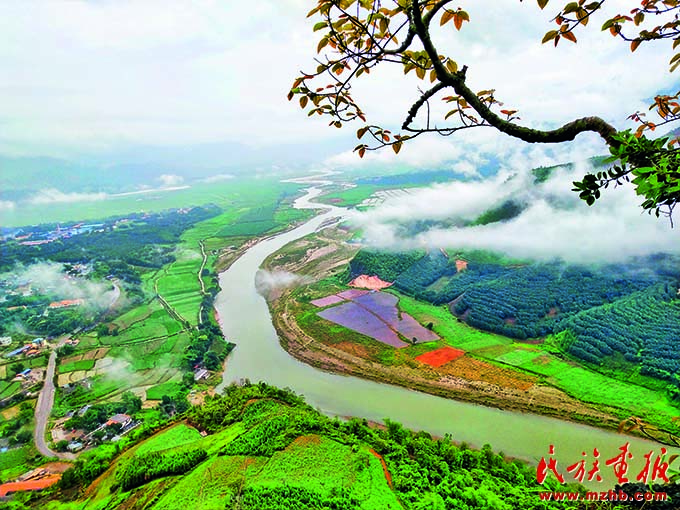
(136, 314)
(223, 194)
(86, 364)
(178, 284)
(15, 462)
(175, 436)
(335, 465)
(8, 388)
(351, 197)
(455, 333)
(167, 388)
(211, 484)
(574, 379)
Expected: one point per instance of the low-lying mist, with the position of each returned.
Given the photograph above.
(554, 224)
(50, 278)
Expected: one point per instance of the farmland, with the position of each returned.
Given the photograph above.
(376, 315)
(576, 380)
(150, 346)
(596, 313)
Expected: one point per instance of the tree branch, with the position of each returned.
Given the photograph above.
(457, 80)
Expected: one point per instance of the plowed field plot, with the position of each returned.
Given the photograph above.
(356, 318)
(441, 356)
(327, 301)
(477, 370)
(351, 293)
(375, 314)
(385, 306)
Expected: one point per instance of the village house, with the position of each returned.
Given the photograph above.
(119, 419)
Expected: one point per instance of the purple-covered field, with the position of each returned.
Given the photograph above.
(356, 318)
(411, 328)
(382, 304)
(375, 314)
(352, 294)
(385, 305)
(327, 301)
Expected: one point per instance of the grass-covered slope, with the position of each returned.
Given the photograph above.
(259, 448)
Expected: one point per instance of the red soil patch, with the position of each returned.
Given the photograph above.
(544, 359)
(31, 485)
(388, 476)
(510, 320)
(248, 461)
(56, 467)
(553, 312)
(461, 265)
(441, 356)
(369, 282)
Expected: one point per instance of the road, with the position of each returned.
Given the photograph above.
(43, 409)
(116, 294)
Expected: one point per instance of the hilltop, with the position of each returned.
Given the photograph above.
(260, 447)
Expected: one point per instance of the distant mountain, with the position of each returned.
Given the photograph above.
(129, 168)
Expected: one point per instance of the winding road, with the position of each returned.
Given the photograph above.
(43, 409)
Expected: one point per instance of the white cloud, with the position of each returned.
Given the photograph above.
(7, 205)
(555, 224)
(110, 73)
(53, 195)
(217, 178)
(168, 180)
(49, 278)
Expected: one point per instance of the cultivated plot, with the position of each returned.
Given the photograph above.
(375, 314)
(439, 357)
(356, 318)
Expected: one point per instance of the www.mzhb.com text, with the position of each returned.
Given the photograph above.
(603, 496)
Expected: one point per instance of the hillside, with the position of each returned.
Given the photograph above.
(264, 448)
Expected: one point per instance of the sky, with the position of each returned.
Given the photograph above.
(88, 76)
(103, 77)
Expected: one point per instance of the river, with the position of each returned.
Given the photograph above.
(246, 321)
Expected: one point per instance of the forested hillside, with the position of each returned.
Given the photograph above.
(266, 448)
(631, 309)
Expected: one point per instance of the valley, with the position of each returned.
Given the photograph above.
(487, 368)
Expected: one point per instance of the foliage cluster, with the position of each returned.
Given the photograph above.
(426, 472)
(140, 470)
(358, 36)
(16, 430)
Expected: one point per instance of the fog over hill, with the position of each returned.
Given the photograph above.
(553, 222)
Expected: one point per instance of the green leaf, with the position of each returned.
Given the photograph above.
(549, 36)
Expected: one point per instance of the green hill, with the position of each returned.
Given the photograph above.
(258, 448)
